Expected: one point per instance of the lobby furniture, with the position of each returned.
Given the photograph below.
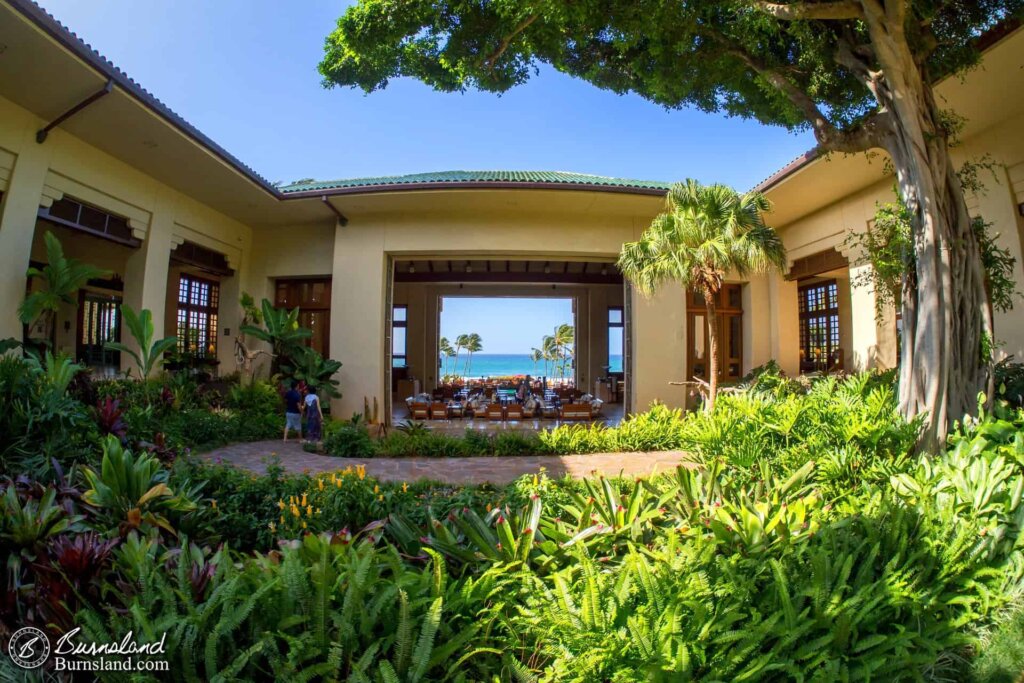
(419, 411)
(438, 410)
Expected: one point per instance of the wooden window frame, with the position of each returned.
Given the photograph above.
(76, 224)
(189, 313)
(293, 300)
(820, 312)
(728, 306)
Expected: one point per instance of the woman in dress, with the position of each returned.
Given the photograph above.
(314, 416)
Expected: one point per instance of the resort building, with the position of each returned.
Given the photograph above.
(185, 227)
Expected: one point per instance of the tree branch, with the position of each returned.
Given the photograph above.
(493, 58)
(839, 9)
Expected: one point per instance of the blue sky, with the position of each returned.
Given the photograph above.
(507, 325)
(245, 74)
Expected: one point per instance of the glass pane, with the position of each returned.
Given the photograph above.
(398, 342)
(735, 336)
(615, 341)
(398, 361)
(615, 316)
(401, 312)
(699, 331)
(93, 219)
(735, 298)
(65, 210)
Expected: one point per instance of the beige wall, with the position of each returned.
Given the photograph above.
(873, 342)
(34, 175)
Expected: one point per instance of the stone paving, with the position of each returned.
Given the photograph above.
(473, 470)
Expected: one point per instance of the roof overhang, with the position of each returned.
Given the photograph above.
(989, 95)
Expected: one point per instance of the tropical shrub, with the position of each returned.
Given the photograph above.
(147, 351)
(350, 439)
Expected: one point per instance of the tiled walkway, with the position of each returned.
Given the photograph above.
(476, 470)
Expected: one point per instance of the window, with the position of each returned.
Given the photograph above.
(99, 322)
(313, 299)
(399, 337)
(729, 315)
(616, 338)
(74, 214)
(198, 300)
(819, 327)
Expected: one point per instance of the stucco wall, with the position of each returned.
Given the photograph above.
(35, 175)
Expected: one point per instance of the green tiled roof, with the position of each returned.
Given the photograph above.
(470, 177)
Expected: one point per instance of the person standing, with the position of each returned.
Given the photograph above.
(293, 411)
(314, 416)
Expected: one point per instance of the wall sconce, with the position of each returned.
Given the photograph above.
(412, 269)
(227, 331)
(469, 268)
(604, 270)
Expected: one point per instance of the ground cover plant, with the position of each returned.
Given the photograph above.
(805, 544)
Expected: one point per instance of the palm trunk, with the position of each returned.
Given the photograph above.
(709, 303)
(946, 321)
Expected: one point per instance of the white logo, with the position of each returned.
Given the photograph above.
(29, 647)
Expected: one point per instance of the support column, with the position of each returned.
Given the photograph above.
(785, 323)
(659, 348)
(357, 318)
(229, 316)
(145, 275)
(18, 214)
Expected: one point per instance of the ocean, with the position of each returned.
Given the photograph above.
(506, 364)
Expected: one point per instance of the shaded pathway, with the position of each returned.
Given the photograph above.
(474, 470)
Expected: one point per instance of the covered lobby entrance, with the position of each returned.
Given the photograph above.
(422, 386)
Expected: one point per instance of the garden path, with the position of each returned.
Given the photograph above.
(470, 470)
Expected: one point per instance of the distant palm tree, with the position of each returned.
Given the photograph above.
(445, 349)
(474, 344)
(536, 355)
(705, 232)
(460, 343)
(550, 351)
(565, 345)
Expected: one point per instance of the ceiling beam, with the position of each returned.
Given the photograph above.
(498, 277)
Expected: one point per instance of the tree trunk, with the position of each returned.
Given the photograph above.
(709, 302)
(946, 322)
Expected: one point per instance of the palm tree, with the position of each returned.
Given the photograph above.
(705, 233)
(460, 343)
(474, 344)
(550, 350)
(564, 344)
(446, 350)
(61, 278)
(536, 355)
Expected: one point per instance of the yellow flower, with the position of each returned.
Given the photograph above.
(405, 487)
(295, 511)
(380, 497)
(273, 528)
(282, 519)
(213, 503)
(338, 484)
(320, 483)
(280, 504)
(309, 510)
(535, 480)
(376, 489)
(488, 507)
(318, 511)
(303, 525)
(303, 499)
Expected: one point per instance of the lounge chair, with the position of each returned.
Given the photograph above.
(495, 411)
(576, 411)
(438, 411)
(514, 411)
(419, 411)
